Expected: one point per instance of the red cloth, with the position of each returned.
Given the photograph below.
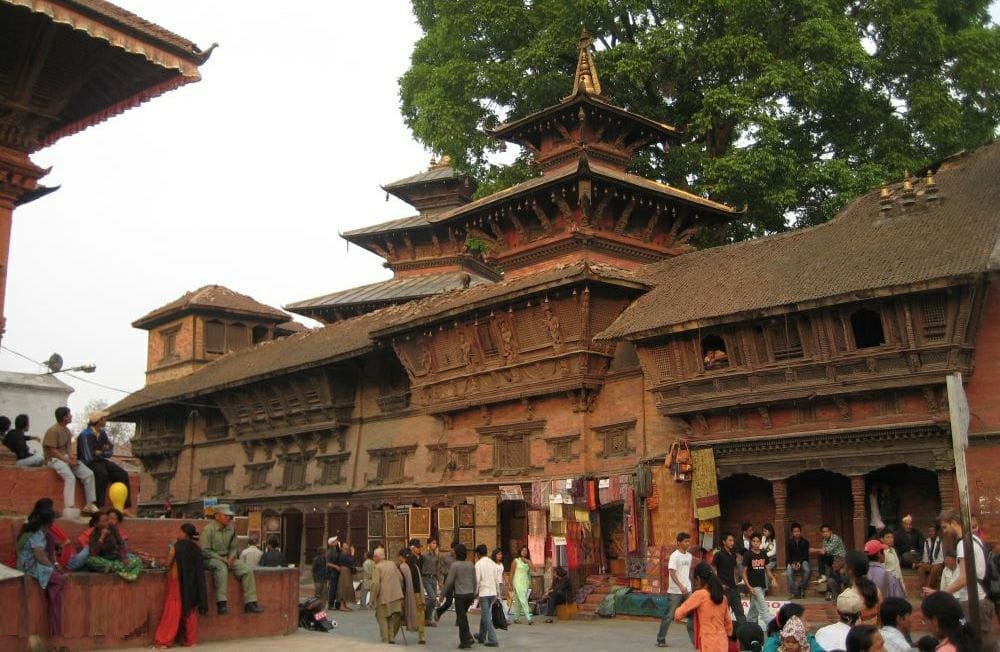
(170, 621)
(591, 495)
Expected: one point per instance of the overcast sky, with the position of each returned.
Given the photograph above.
(243, 179)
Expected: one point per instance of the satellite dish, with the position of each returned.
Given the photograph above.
(54, 363)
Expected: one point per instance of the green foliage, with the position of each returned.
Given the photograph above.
(790, 106)
(476, 246)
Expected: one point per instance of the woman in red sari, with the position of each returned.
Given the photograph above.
(186, 595)
(712, 625)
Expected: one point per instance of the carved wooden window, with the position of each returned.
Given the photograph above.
(561, 448)
(162, 486)
(486, 339)
(257, 475)
(715, 354)
(168, 338)
(331, 469)
(934, 317)
(785, 340)
(663, 360)
(215, 424)
(438, 457)
(866, 326)
(462, 457)
(616, 438)
(294, 476)
(215, 337)
(390, 469)
(215, 480)
(448, 350)
(510, 452)
(238, 337)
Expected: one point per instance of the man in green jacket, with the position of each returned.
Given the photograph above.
(218, 547)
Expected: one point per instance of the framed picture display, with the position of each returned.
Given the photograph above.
(466, 515)
(395, 524)
(420, 523)
(446, 520)
(486, 511)
(467, 536)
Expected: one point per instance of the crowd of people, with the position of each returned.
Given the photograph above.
(867, 585)
(89, 461)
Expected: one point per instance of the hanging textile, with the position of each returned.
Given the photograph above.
(632, 523)
(511, 492)
(591, 494)
(536, 495)
(704, 487)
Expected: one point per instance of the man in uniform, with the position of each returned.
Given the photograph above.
(218, 547)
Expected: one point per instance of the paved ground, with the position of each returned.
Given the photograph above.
(359, 631)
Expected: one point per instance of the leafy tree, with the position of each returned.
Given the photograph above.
(119, 432)
(790, 106)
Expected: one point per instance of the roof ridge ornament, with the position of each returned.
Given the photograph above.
(585, 79)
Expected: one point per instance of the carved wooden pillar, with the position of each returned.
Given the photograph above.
(858, 501)
(779, 489)
(18, 176)
(946, 489)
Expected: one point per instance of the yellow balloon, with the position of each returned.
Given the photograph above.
(118, 492)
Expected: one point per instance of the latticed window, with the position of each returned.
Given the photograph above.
(390, 469)
(462, 458)
(785, 340)
(486, 339)
(162, 488)
(512, 452)
(616, 443)
(215, 480)
(257, 475)
(331, 472)
(295, 473)
(933, 309)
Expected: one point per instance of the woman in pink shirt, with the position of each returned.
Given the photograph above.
(946, 622)
(713, 626)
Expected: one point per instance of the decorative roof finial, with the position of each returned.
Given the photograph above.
(885, 197)
(585, 79)
(908, 193)
(930, 187)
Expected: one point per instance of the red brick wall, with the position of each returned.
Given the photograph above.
(982, 388)
(22, 487)
(120, 614)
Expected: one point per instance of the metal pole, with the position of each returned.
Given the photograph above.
(958, 408)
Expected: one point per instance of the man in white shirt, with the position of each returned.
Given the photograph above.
(251, 554)
(951, 523)
(486, 588)
(932, 562)
(949, 573)
(834, 637)
(678, 585)
(895, 615)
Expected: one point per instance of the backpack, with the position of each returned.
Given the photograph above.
(991, 580)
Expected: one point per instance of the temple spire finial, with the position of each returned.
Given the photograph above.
(585, 80)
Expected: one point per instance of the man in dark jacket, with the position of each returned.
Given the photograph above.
(17, 441)
(273, 557)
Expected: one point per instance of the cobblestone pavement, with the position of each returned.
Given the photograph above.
(358, 630)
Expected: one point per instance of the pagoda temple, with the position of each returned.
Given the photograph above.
(546, 361)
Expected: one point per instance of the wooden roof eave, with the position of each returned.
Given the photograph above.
(221, 387)
(486, 302)
(509, 131)
(784, 309)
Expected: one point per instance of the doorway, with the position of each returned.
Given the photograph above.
(291, 536)
(513, 529)
(613, 537)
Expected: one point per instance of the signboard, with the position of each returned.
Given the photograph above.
(208, 505)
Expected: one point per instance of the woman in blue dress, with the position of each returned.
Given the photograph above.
(36, 556)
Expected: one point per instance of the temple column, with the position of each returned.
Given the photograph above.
(779, 489)
(946, 489)
(858, 502)
(18, 176)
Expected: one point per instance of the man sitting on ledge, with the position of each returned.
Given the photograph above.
(218, 546)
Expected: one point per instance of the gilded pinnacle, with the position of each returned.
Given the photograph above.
(585, 79)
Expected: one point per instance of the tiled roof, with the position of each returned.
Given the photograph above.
(134, 22)
(860, 250)
(300, 350)
(212, 297)
(392, 290)
(436, 173)
(594, 169)
(348, 338)
(399, 224)
(446, 306)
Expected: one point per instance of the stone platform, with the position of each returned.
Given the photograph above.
(22, 487)
(104, 611)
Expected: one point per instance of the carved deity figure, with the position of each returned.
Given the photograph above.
(506, 339)
(552, 324)
(466, 347)
(426, 361)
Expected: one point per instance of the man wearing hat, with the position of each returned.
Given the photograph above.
(218, 547)
(94, 449)
(886, 582)
(834, 637)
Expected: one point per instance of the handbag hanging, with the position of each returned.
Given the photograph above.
(496, 612)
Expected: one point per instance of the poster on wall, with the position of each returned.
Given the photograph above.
(486, 511)
(467, 537)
